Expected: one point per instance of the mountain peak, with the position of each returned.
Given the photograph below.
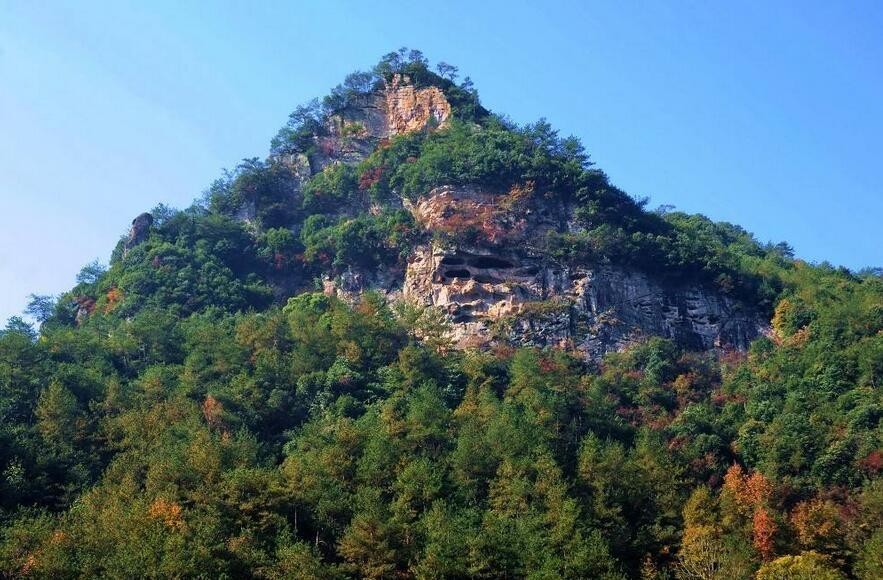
(399, 182)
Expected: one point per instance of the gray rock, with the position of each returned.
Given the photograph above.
(532, 301)
(138, 232)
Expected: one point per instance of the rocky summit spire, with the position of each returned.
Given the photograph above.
(139, 231)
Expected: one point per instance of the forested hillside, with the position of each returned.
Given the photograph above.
(267, 384)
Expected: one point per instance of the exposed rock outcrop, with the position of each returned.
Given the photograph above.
(501, 286)
(410, 109)
(491, 277)
(516, 216)
(533, 301)
(355, 131)
(138, 232)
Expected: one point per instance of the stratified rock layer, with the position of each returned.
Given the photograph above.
(501, 286)
(532, 301)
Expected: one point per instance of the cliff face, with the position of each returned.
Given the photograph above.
(354, 132)
(139, 231)
(532, 301)
(504, 288)
(499, 286)
(411, 109)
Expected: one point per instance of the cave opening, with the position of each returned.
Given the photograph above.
(464, 273)
(485, 262)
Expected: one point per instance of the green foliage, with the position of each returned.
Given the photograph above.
(265, 192)
(366, 241)
(495, 154)
(806, 566)
(330, 189)
(193, 412)
(194, 261)
(298, 134)
(321, 437)
(91, 273)
(40, 307)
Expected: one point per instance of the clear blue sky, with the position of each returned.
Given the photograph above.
(766, 114)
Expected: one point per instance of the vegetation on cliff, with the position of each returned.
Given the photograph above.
(197, 410)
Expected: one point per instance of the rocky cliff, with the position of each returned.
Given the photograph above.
(529, 300)
(505, 288)
(368, 120)
(496, 283)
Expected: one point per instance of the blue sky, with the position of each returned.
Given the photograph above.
(765, 114)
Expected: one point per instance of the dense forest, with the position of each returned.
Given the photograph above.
(199, 408)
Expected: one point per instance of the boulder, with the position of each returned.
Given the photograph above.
(139, 231)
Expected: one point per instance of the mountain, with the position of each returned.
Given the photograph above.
(419, 340)
(517, 239)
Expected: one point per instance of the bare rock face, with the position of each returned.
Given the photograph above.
(400, 108)
(139, 231)
(452, 210)
(409, 109)
(350, 285)
(474, 290)
(351, 134)
(532, 301)
(498, 288)
(493, 219)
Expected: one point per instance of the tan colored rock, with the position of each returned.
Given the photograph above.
(411, 109)
(522, 299)
(473, 290)
(353, 132)
(454, 210)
